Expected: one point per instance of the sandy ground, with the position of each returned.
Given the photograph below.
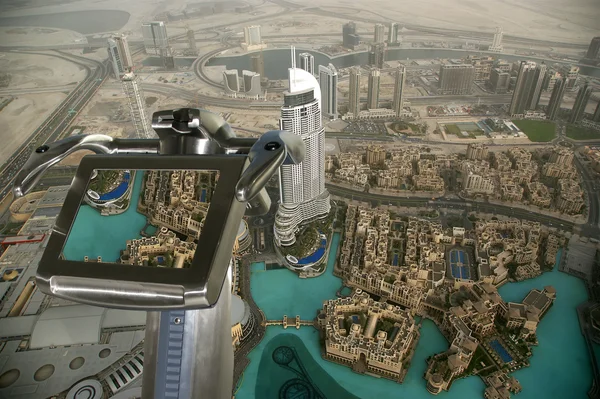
(21, 117)
(29, 70)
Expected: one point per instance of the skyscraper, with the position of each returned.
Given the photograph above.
(328, 80)
(118, 51)
(191, 37)
(594, 49)
(379, 33)
(350, 38)
(528, 88)
(302, 186)
(377, 55)
(556, 99)
(354, 92)
(252, 35)
(231, 81)
(580, 103)
(258, 64)
(307, 62)
(373, 90)
(571, 73)
(399, 90)
(156, 41)
(499, 81)
(497, 42)
(456, 79)
(251, 83)
(137, 106)
(393, 33)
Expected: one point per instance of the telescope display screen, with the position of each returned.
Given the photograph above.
(149, 218)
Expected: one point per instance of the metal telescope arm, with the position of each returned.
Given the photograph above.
(270, 151)
(48, 155)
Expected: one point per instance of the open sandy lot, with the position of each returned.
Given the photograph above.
(21, 117)
(32, 70)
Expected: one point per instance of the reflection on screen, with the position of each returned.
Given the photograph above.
(141, 217)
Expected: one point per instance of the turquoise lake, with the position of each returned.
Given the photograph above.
(279, 291)
(95, 235)
(560, 366)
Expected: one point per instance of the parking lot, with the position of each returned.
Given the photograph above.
(366, 127)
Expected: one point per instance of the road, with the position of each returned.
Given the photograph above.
(35, 90)
(57, 123)
(462, 204)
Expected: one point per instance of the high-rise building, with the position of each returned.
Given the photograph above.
(528, 87)
(251, 83)
(307, 62)
(137, 106)
(328, 80)
(350, 38)
(581, 101)
(302, 187)
(594, 49)
(399, 83)
(556, 99)
(118, 51)
(257, 63)
(373, 89)
(156, 41)
(377, 55)
(596, 117)
(483, 65)
(497, 42)
(252, 35)
(477, 151)
(571, 73)
(379, 33)
(550, 79)
(354, 92)
(393, 33)
(231, 81)
(499, 81)
(191, 37)
(456, 79)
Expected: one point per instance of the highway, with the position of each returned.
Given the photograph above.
(58, 122)
(462, 204)
(36, 90)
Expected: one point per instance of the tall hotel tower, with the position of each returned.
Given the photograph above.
(302, 187)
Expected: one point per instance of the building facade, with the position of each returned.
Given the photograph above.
(593, 52)
(496, 46)
(499, 81)
(350, 39)
(137, 106)
(377, 55)
(528, 87)
(231, 81)
(456, 79)
(399, 83)
(373, 89)
(252, 35)
(556, 99)
(328, 80)
(354, 91)
(156, 41)
(252, 86)
(302, 187)
(120, 56)
(581, 101)
(307, 62)
(393, 33)
(379, 33)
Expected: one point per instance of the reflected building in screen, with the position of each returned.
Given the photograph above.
(302, 187)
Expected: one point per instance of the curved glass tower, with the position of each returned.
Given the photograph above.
(302, 187)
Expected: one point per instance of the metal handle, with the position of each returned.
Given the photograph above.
(49, 155)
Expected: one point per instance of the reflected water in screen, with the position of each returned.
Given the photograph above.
(147, 218)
